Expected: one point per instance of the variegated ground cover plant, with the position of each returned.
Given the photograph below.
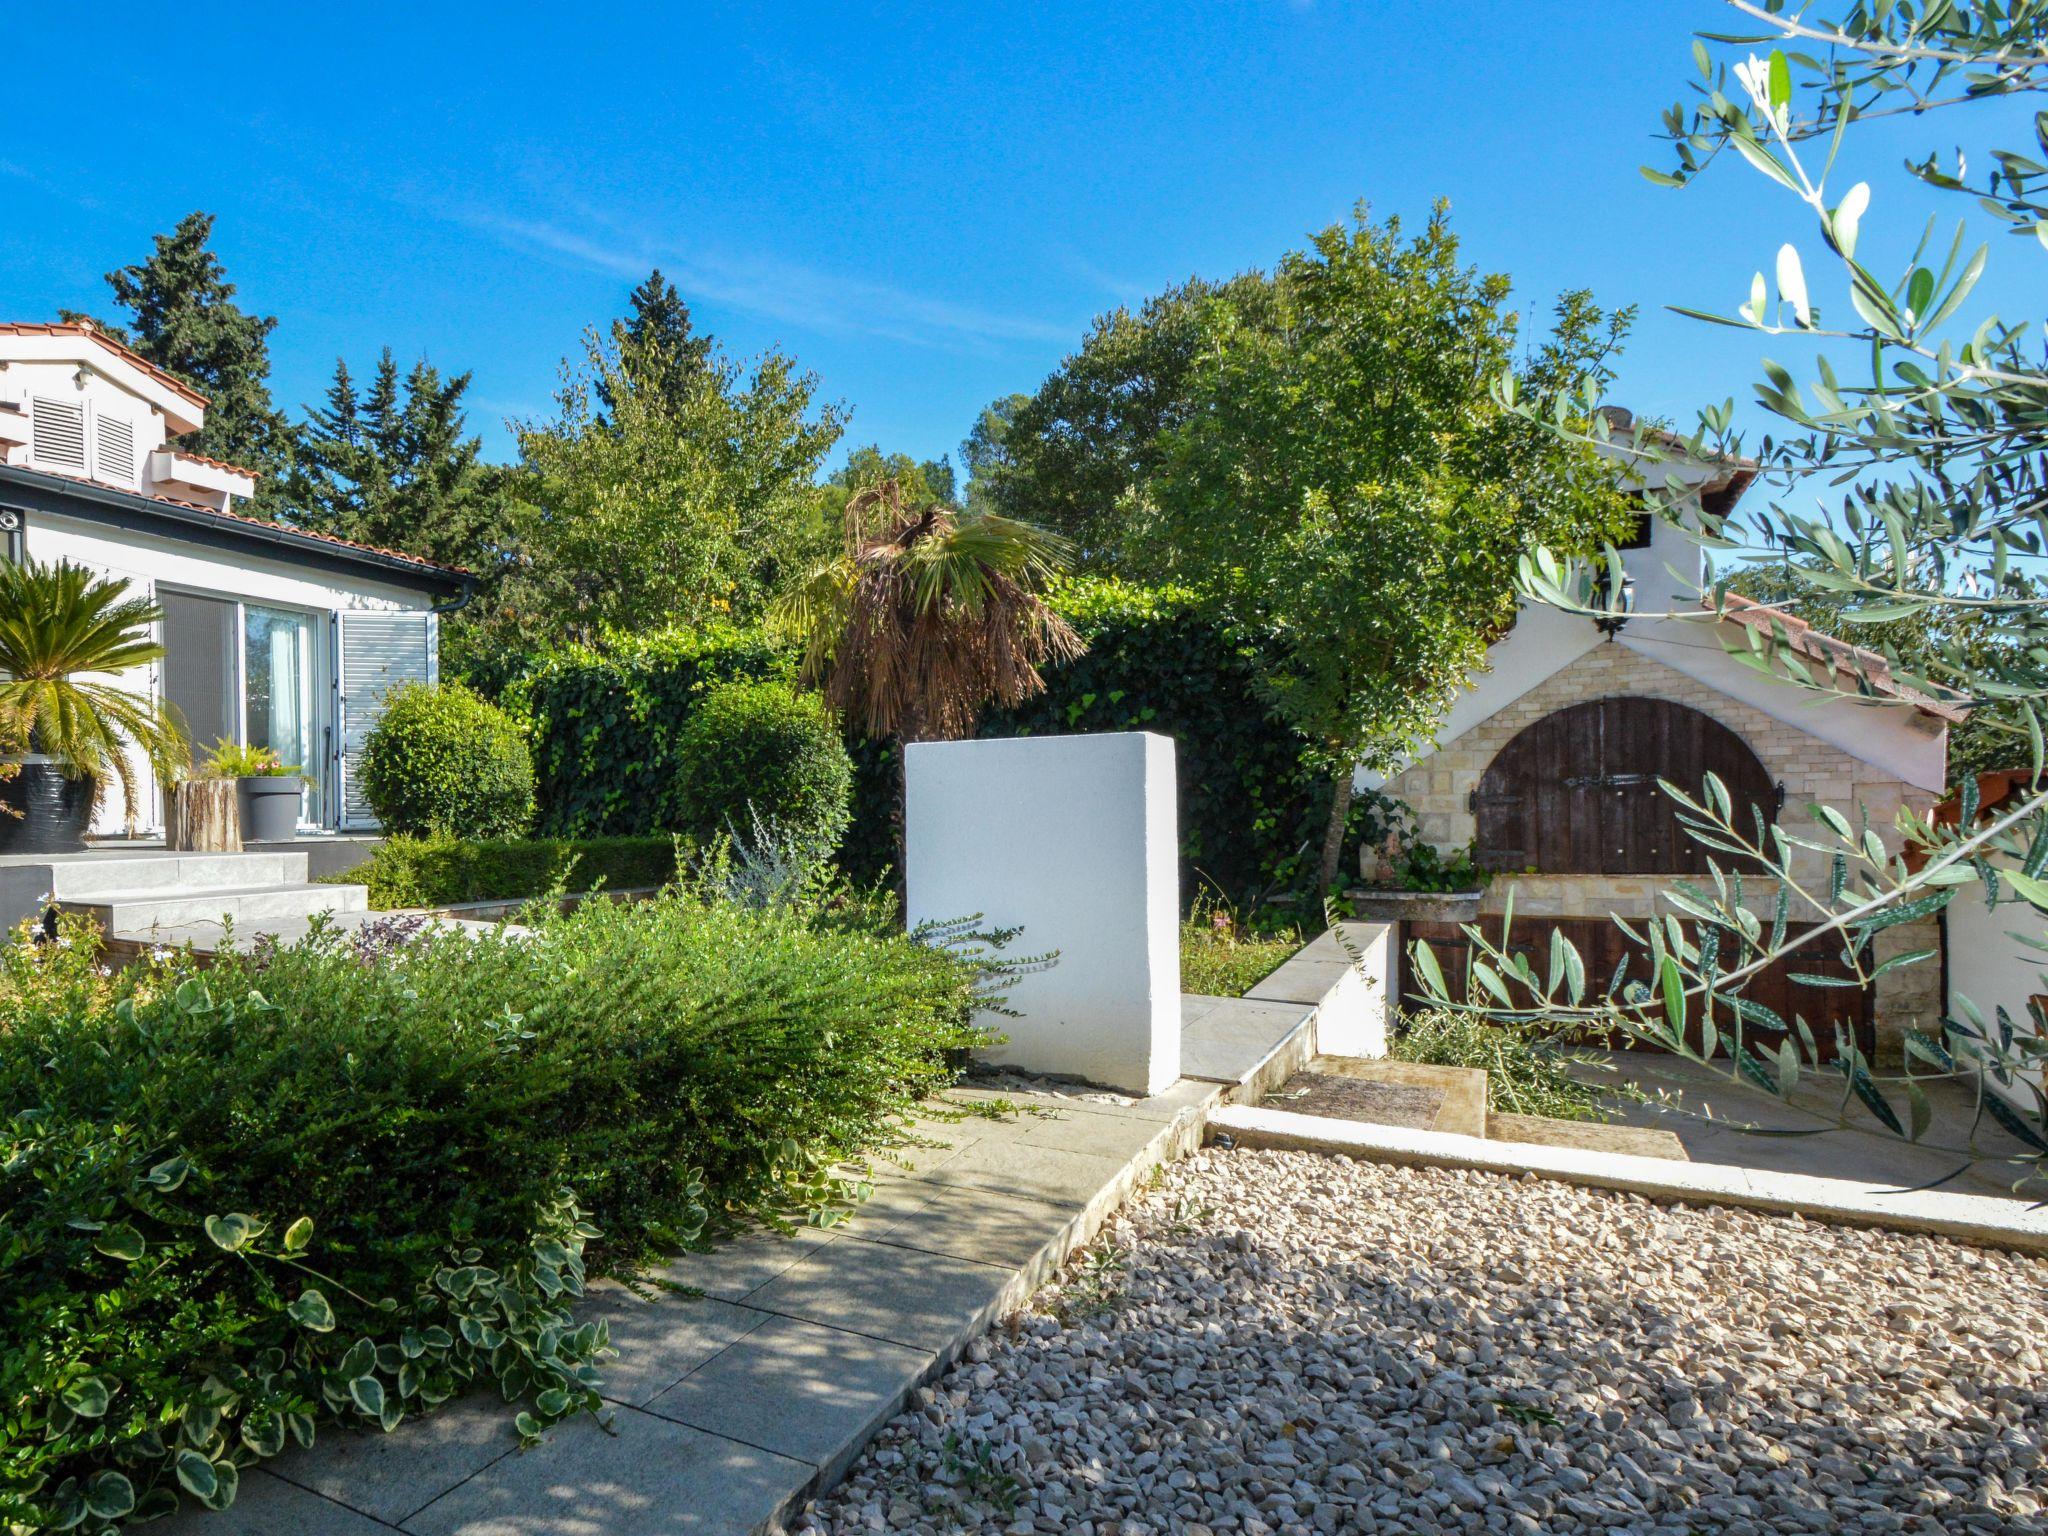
(339, 1182)
(1915, 444)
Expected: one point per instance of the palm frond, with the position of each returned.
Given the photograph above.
(929, 616)
(59, 624)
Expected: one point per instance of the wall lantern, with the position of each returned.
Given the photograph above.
(1619, 605)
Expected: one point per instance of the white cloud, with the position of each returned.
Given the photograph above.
(778, 289)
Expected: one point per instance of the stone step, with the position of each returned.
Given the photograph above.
(137, 911)
(71, 880)
(208, 938)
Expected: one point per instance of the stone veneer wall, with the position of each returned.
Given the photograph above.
(1440, 788)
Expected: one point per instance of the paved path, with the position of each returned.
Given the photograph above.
(729, 1409)
(1864, 1152)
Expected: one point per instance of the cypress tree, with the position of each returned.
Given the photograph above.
(184, 319)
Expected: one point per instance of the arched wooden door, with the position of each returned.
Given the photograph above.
(1576, 793)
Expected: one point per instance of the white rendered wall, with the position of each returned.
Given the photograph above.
(1074, 839)
(1987, 965)
(147, 562)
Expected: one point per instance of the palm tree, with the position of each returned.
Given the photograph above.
(56, 623)
(927, 617)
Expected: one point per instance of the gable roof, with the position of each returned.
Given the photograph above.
(1861, 667)
(94, 334)
(69, 496)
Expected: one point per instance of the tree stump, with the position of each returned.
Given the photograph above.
(203, 816)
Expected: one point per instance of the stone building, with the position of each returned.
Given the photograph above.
(1547, 770)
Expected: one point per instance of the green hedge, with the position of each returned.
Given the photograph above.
(607, 730)
(757, 751)
(344, 1181)
(442, 759)
(1155, 662)
(440, 870)
(606, 725)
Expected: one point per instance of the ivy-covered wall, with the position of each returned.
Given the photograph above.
(605, 725)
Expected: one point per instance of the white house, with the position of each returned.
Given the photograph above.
(274, 636)
(1547, 767)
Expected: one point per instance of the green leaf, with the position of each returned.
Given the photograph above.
(1674, 996)
(87, 1397)
(1432, 975)
(121, 1242)
(298, 1235)
(263, 1433)
(312, 1311)
(168, 1174)
(1780, 81)
(368, 1393)
(109, 1496)
(232, 1231)
(196, 1475)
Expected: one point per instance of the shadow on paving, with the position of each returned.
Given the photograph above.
(1863, 1150)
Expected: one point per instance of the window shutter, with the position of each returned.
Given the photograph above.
(57, 429)
(114, 445)
(378, 652)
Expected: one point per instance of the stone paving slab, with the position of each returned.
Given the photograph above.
(1230, 1042)
(797, 1389)
(643, 1476)
(270, 1506)
(903, 1295)
(662, 1338)
(388, 1477)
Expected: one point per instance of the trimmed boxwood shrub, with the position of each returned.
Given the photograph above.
(343, 1181)
(438, 869)
(760, 750)
(606, 725)
(442, 759)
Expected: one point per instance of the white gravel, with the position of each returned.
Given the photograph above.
(1285, 1343)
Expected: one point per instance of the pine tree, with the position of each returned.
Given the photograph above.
(392, 466)
(185, 320)
(659, 346)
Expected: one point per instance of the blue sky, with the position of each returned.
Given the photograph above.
(924, 204)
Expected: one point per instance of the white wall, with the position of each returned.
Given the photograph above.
(1988, 965)
(149, 561)
(1075, 840)
(22, 380)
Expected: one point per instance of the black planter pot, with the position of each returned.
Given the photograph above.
(41, 811)
(269, 807)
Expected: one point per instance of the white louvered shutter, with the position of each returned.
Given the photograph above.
(378, 652)
(114, 450)
(57, 428)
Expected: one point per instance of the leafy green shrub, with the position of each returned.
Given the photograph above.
(1220, 957)
(606, 725)
(439, 870)
(1251, 815)
(441, 759)
(759, 750)
(232, 760)
(1526, 1074)
(344, 1180)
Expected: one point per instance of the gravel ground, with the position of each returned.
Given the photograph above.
(1284, 1343)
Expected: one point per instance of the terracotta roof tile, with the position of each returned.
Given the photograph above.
(1842, 658)
(73, 328)
(200, 458)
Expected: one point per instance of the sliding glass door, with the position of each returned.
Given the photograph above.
(244, 673)
(277, 685)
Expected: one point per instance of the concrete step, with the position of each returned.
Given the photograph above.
(72, 880)
(208, 938)
(130, 912)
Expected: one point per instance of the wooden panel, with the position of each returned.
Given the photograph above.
(1604, 948)
(1577, 792)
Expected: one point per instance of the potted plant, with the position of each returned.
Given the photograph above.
(63, 738)
(267, 788)
(1417, 882)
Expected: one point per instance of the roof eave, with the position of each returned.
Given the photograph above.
(38, 492)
